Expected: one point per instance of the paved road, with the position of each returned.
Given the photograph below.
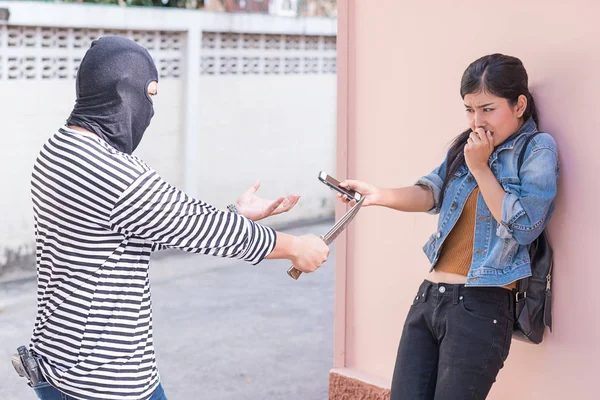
(223, 329)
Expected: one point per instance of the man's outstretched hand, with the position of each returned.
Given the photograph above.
(255, 208)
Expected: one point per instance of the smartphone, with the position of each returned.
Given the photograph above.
(335, 185)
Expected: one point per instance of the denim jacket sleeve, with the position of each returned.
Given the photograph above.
(434, 182)
(525, 214)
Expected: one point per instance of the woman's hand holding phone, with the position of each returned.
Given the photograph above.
(369, 192)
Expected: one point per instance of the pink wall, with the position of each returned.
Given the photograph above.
(400, 64)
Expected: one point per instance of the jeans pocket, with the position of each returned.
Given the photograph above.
(419, 297)
(482, 309)
(416, 300)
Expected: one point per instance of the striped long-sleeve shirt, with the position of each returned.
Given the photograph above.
(99, 214)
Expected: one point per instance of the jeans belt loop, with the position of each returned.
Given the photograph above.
(455, 293)
(425, 292)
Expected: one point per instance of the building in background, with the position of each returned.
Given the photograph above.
(243, 96)
(318, 8)
(282, 8)
(249, 6)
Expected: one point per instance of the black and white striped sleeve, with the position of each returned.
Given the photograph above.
(154, 210)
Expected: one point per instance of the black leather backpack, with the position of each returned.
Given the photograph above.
(533, 308)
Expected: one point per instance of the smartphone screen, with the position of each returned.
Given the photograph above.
(335, 185)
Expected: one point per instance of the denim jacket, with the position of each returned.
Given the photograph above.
(500, 254)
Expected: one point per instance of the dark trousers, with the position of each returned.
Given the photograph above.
(45, 391)
(454, 342)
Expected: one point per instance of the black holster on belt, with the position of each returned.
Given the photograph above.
(26, 366)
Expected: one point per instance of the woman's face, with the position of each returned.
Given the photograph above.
(494, 114)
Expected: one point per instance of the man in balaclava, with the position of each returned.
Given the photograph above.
(99, 214)
(112, 92)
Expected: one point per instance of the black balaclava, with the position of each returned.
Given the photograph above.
(112, 92)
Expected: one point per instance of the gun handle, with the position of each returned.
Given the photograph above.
(294, 273)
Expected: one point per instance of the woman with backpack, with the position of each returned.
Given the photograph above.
(458, 331)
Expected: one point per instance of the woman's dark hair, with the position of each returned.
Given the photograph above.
(497, 74)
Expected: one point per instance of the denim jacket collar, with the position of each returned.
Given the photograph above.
(528, 126)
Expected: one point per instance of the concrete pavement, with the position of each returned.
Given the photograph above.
(223, 329)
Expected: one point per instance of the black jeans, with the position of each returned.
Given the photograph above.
(454, 342)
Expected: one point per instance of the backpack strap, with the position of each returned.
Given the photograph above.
(524, 149)
(522, 284)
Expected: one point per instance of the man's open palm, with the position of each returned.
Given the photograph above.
(255, 208)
